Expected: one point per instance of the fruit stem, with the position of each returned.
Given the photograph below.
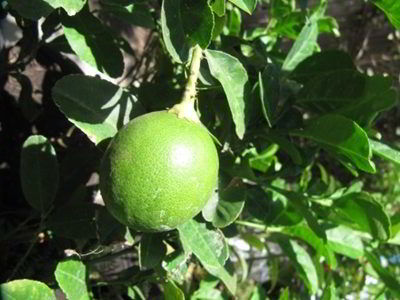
(185, 109)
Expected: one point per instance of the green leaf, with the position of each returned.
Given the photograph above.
(175, 264)
(307, 235)
(258, 293)
(227, 205)
(349, 93)
(345, 241)
(93, 43)
(39, 172)
(25, 289)
(329, 292)
(303, 47)
(172, 291)
(246, 5)
(321, 64)
(342, 137)
(302, 262)
(210, 248)
(218, 7)
(385, 151)
(35, 9)
(97, 107)
(71, 277)
(207, 290)
(361, 212)
(233, 77)
(270, 90)
(392, 10)
(198, 22)
(389, 279)
(135, 14)
(151, 250)
(185, 24)
(284, 294)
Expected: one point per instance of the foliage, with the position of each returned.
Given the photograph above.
(307, 192)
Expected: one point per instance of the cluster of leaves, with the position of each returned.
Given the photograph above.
(289, 123)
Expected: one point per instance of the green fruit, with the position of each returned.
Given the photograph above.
(158, 172)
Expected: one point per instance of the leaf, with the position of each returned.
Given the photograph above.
(246, 5)
(97, 107)
(329, 292)
(185, 24)
(302, 263)
(175, 264)
(93, 43)
(307, 235)
(269, 82)
(320, 64)
(25, 289)
(198, 22)
(39, 172)
(210, 248)
(361, 212)
(303, 47)
(135, 14)
(151, 250)
(285, 294)
(345, 241)
(71, 277)
(229, 71)
(392, 10)
(227, 207)
(300, 202)
(258, 293)
(389, 279)
(32, 9)
(218, 7)
(172, 291)
(342, 137)
(385, 151)
(349, 93)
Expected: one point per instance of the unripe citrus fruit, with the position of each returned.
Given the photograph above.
(158, 172)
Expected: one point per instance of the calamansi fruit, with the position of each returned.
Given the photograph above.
(158, 172)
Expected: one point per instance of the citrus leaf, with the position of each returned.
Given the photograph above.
(285, 294)
(390, 280)
(39, 172)
(329, 292)
(229, 71)
(135, 14)
(218, 7)
(246, 5)
(71, 277)
(172, 291)
(385, 151)
(175, 264)
(303, 47)
(93, 43)
(151, 250)
(270, 90)
(343, 137)
(361, 212)
(185, 24)
(302, 263)
(307, 235)
(320, 64)
(35, 9)
(345, 241)
(97, 107)
(25, 289)
(210, 248)
(392, 10)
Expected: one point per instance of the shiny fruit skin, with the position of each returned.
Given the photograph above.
(158, 172)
